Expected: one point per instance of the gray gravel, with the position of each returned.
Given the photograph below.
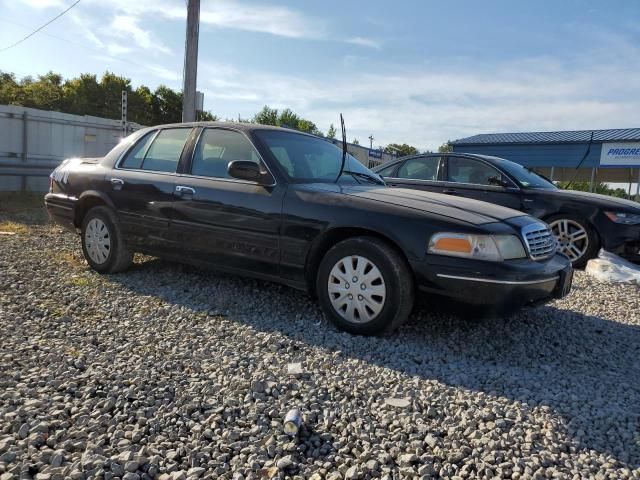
(170, 372)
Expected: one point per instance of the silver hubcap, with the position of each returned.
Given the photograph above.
(97, 240)
(356, 289)
(573, 240)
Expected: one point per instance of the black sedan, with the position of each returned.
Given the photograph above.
(582, 222)
(294, 208)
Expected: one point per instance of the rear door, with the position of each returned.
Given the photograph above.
(226, 221)
(419, 173)
(475, 178)
(142, 184)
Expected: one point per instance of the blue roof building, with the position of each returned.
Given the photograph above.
(604, 155)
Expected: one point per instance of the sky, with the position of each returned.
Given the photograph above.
(417, 72)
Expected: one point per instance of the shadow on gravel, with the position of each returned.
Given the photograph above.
(575, 364)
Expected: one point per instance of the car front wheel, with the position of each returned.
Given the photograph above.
(576, 239)
(102, 242)
(365, 286)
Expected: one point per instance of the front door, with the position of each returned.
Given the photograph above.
(232, 223)
(473, 178)
(141, 186)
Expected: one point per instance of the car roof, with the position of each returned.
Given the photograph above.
(244, 126)
(487, 158)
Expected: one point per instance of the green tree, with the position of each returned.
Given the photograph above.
(267, 116)
(600, 187)
(83, 95)
(400, 150)
(331, 133)
(308, 126)
(9, 89)
(166, 106)
(446, 147)
(206, 116)
(355, 141)
(288, 119)
(112, 87)
(140, 106)
(46, 93)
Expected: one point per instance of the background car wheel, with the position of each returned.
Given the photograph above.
(576, 238)
(364, 286)
(102, 242)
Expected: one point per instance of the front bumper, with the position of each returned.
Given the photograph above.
(509, 284)
(623, 240)
(61, 209)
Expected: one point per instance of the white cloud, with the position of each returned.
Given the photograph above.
(126, 26)
(425, 108)
(275, 20)
(364, 42)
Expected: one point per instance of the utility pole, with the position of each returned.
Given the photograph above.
(371, 141)
(191, 62)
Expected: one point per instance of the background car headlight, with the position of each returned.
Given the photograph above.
(480, 247)
(624, 217)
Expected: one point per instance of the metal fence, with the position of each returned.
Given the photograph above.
(34, 142)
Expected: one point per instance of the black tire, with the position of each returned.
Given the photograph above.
(593, 241)
(396, 275)
(119, 256)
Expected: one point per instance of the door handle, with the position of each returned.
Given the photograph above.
(182, 190)
(117, 183)
(450, 191)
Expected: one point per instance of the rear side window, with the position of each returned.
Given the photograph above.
(424, 168)
(136, 154)
(216, 148)
(160, 153)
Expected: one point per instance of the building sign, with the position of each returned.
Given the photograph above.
(375, 153)
(625, 154)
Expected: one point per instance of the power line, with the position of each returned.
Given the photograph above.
(78, 44)
(40, 28)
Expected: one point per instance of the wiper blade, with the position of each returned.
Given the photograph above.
(366, 176)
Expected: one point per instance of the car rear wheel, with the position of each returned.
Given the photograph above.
(576, 239)
(102, 242)
(364, 286)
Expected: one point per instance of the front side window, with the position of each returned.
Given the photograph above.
(387, 171)
(467, 170)
(423, 168)
(310, 159)
(158, 153)
(216, 148)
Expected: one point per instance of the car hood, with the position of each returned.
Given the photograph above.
(465, 209)
(604, 201)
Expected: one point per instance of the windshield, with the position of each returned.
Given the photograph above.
(525, 176)
(311, 159)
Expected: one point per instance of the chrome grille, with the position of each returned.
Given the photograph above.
(539, 240)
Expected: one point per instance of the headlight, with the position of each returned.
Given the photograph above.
(493, 248)
(624, 218)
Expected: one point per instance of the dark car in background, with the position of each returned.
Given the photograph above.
(582, 222)
(278, 205)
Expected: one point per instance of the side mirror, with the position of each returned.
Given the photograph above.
(244, 170)
(496, 180)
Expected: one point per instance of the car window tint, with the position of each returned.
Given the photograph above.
(467, 170)
(423, 168)
(136, 154)
(385, 172)
(216, 148)
(164, 153)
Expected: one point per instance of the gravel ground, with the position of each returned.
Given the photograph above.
(170, 372)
